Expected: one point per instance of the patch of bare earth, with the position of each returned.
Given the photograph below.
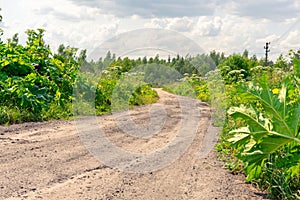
(49, 161)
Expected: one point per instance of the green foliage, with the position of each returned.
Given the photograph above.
(33, 80)
(235, 68)
(143, 95)
(261, 130)
(104, 94)
(37, 84)
(282, 63)
(203, 92)
(269, 144)
(194, 87)
(115, 90)
(271, 75)
(159, 74)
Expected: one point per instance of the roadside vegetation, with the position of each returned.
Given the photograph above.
(261, 132)
(261, 135)
(37, 84)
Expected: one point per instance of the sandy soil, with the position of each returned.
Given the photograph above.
(49, 160)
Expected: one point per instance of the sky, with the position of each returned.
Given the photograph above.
(228, 26)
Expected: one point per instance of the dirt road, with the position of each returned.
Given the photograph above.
(49, 161)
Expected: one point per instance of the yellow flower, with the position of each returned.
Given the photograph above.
(275, 91)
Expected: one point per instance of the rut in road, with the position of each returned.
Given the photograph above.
(50, 161)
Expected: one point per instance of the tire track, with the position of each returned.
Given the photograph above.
(49, 161)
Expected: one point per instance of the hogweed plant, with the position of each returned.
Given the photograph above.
(269, 143)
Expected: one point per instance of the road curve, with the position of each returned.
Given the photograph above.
(48, 160)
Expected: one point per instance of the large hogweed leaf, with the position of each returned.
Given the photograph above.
(268, 129)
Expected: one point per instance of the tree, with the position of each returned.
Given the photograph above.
(151, 60)
(82, 57)
(38, 50)
(66, 54)
(246, 53)
(109, 58)
(138, 62)
(203, 63)
(14, 41)
(282, 63)
(156, 59)
(253, 58)
(234, 68)
(144, 61)
(126, 64)
(217, 57)
(253, 62)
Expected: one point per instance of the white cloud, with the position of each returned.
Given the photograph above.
(268, 9)
(78, 26)
(275, 10)
(228, 25)
(208, 26)
(86, 35)
(263, 40)
(154, 8)
(182, 24)
(292, 40)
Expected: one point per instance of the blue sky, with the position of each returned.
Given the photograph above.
(227, 25)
